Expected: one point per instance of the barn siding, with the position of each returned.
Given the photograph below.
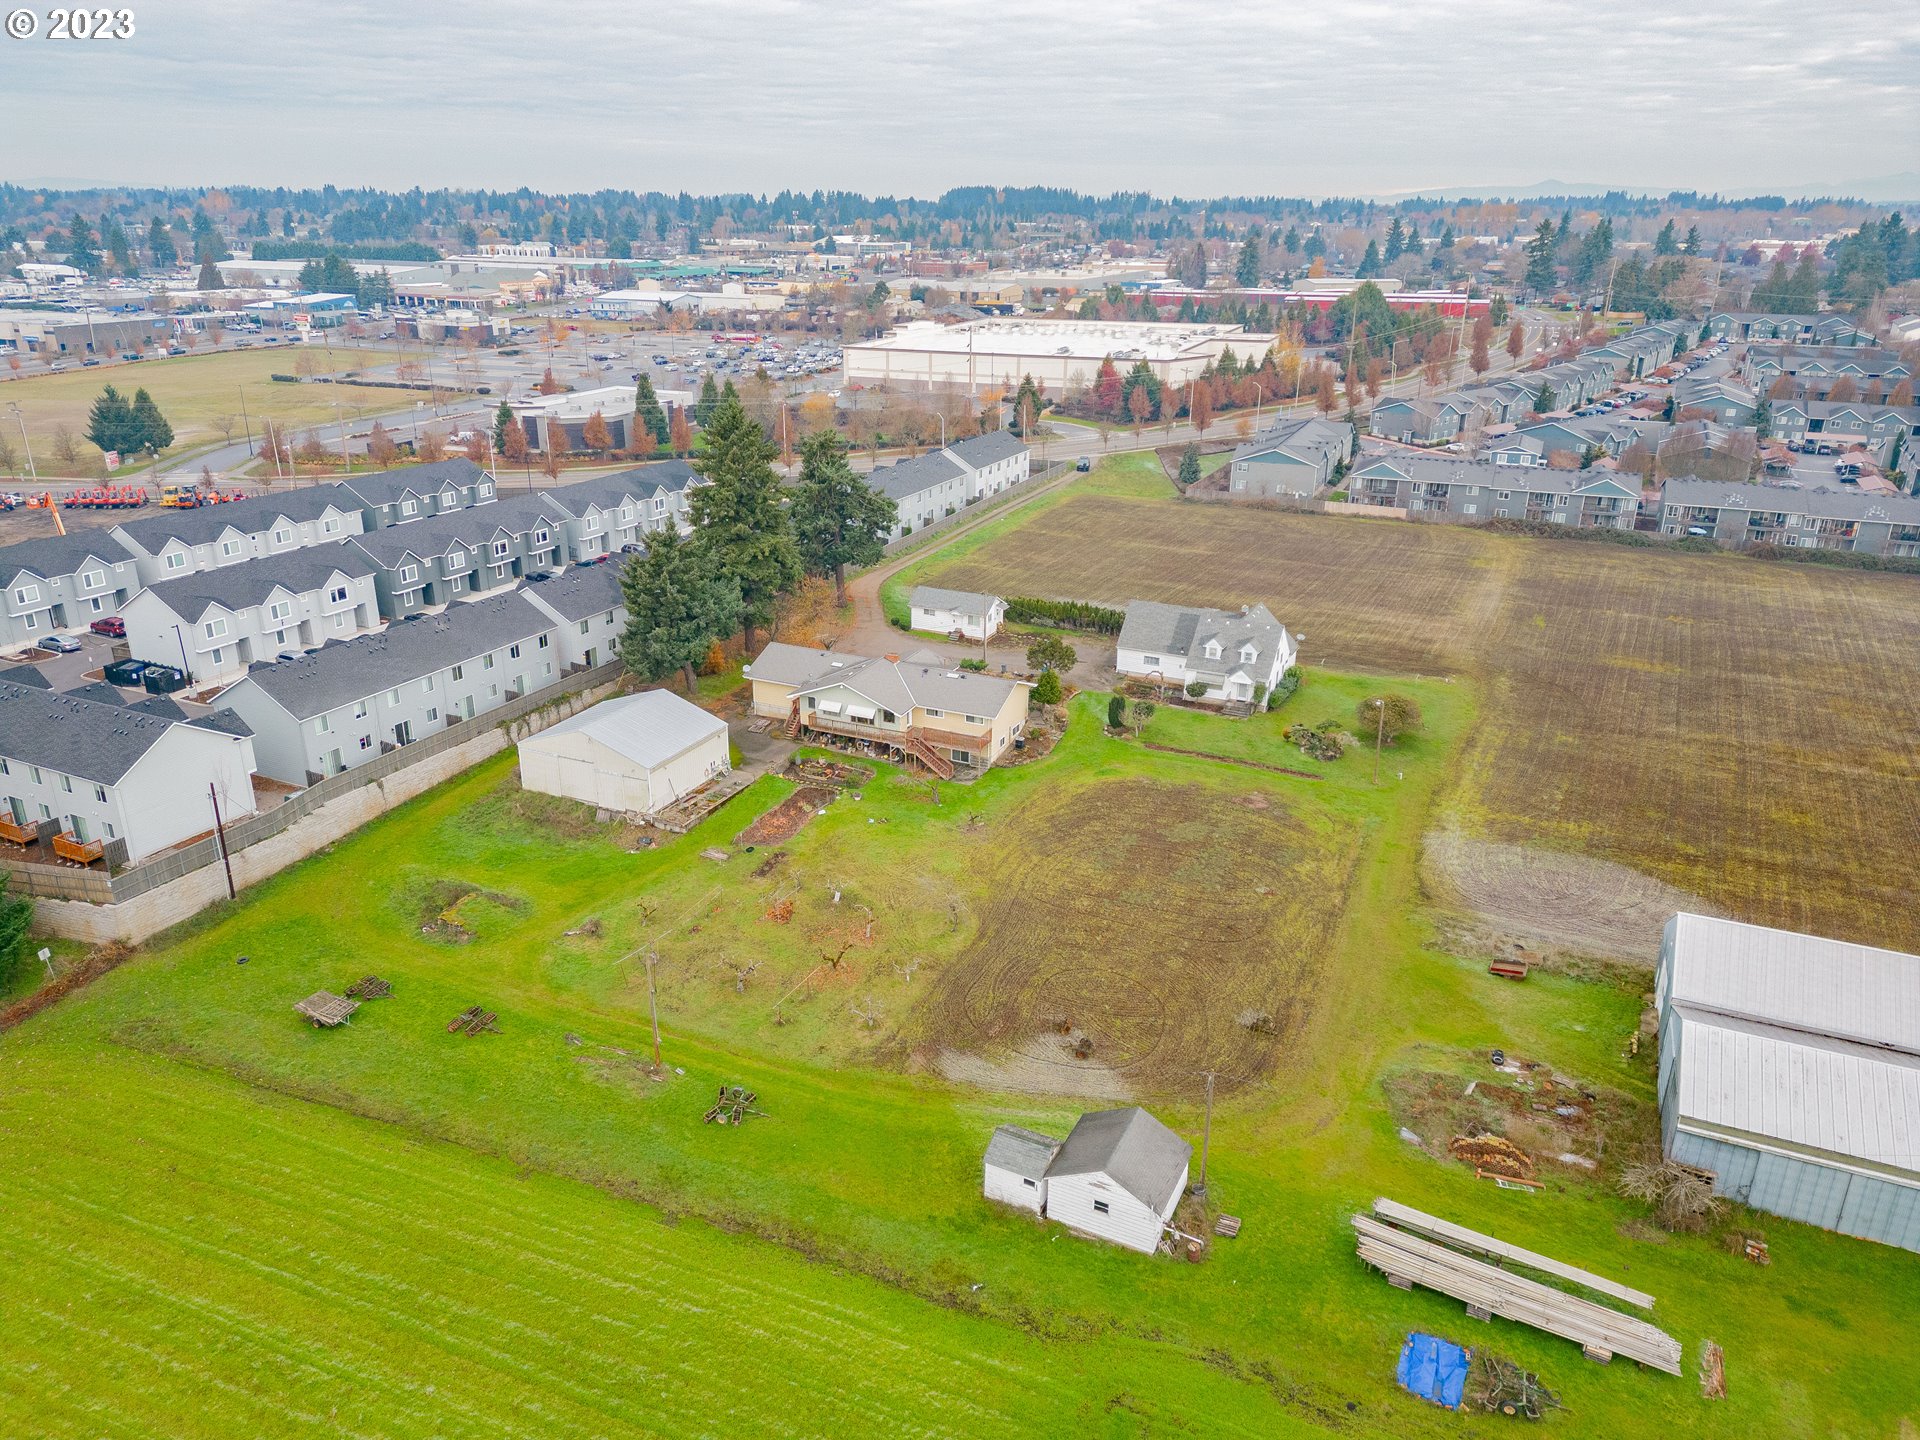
(1805, 1190)
(1011, 1189)
(1128, 1221)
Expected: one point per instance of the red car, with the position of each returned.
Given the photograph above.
(111, 625)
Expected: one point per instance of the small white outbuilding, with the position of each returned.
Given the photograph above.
(635, 753)
(1118, 1176)
(956, 612)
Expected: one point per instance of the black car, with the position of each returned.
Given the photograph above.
(126, 672)
(163, 679)
(539, 577)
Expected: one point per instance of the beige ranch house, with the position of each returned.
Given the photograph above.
(918, 709)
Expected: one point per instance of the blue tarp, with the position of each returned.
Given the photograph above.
(1434, 1369)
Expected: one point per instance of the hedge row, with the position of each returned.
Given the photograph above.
(1068, 614)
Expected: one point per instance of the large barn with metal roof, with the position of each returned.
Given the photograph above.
(1790, 1069)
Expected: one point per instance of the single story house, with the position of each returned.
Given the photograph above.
(128, 780)
(1239, 656)
(218, 622)
(921, 708)
(62, 582)
(1118, 1176)
(354, 700)
(1790, 1071)
(634, 753)
(956, 612)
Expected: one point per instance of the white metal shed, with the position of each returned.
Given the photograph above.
(635, 753)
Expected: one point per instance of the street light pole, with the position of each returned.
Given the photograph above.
(19, 415)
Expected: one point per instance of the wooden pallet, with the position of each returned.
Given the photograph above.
(1508, 969)
(473, 1021)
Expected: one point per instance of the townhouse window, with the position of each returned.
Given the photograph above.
(549, 667)
(100, 793)
(219, 657)
(66, 783)
(456, 558)
(359, 709)
(426, 684)
(329, 526)
(366, 742)
(337, 595)
(433, 713)
(230, 548)
(459, 672)
(93, 579)
(513, 652)
(322, 725)
(485, 488)
(659, 504)
(626, 512)
(215, 629)
(407, 507)
(393, 697)
(279, 610)
(338, 622)
(409, 572)
(543, 642)
(486, 662)
(176, 560)
(458, 584)
(493, 692)
(593, 524)
(282, 537)
(26, 594)
(5, 769)
(584, 626)
(540, 537)
(609, 617)
(500, 549)
(46, 812)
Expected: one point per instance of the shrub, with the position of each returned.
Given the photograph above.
(1117, 712)
(1284, 690)
(1387, 716)
(1327, 742)
(976, 663)
(1068, 614)
(1196, 688)
(1050, 652)
(1046, 690)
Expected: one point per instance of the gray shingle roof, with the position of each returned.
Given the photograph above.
(1298, 438)
(1442, 469)
(74, 735)
(650, 728)
(236, 587)
(389, 485)
(1820, 500)
(350, 670)
(898, 685)
(56, 555)
(969, 602)
(1026, 1153)
(1130, 1147)
(911, 477)
(989, 448)
(639, 483)
(462, 529)
(250, 516)
(584, 591)
(1185, 630)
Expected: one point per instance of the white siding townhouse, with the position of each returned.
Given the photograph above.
(62, 582)
(1441, 488)
(939, 483)
(349, 702)
(1291, 460)
(466, 553)
(1233, 654)
(218, 622)
(611, 513)
(104, 775)
(590, 611)
(419, 492)
(995, 462)
(173, 543)
(1118, 1176)
(955, 612)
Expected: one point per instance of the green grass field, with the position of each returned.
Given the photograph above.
(213, 1211)
(194, 392)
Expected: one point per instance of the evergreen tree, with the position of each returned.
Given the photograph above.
(1541, 273)
(1027, 405)
(1189, 467)
(1246, 270)
(150, 430)
(1664, 243)
(503, 421)
(1805, 287)
(374, 289)
(1763, 419)
(739, 515)
(1292, 241)
(648, 414)
(82, 251)
(207, 244)
(160, 245)
(1369, 262)
(679, 601)
(209, 277)
(1447, 237)
(110, 423)
(1691, 245)
(1772, 294)
(1543, 401)
(838, 519)
(119, 248)
(16, 916)
(708, 402)
(1396, 241)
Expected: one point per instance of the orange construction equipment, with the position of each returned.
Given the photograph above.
(44, 502)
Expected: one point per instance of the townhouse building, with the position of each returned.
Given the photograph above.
(62, 582)
(1291, 460)
(589, 612)
(1887, 432)
(349, 702)
(1827, 330)
(941, 482)
(1808, 517)
(85, 779)
(465, 553)
(1765, 363)
(612, 513)
(1441, 488)
(419, 492)
(217, 623)
(1725, 400)
(995, 461)
(171, 543)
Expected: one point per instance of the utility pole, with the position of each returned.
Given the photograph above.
(653, 1012)
(245, 422)
(220, 831)
(19, 415)
(1206, 1139)
(1379, 735)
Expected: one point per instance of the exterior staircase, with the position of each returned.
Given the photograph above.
(1237, 709)
(928, 756)
(792, 728)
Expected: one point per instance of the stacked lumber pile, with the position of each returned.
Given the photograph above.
(1408, 1258)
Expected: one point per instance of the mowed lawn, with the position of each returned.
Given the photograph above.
(298, 1187)
(194, 392)
(1747, 731)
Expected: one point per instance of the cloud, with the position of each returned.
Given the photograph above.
(1204, 98)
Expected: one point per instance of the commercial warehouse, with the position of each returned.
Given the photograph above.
(1790, 1069)
(1060, 355)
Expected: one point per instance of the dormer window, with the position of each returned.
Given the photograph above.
(1213, 650)
(1247, 654)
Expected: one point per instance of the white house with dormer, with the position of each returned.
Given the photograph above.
(1239, 656)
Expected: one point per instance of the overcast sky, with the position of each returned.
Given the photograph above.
(1203, 97)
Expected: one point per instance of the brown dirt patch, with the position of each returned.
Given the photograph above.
(785, 820)
(1135, 922)
(1538, 898)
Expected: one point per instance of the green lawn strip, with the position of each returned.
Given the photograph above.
(824, 1175)
(259, 1265)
